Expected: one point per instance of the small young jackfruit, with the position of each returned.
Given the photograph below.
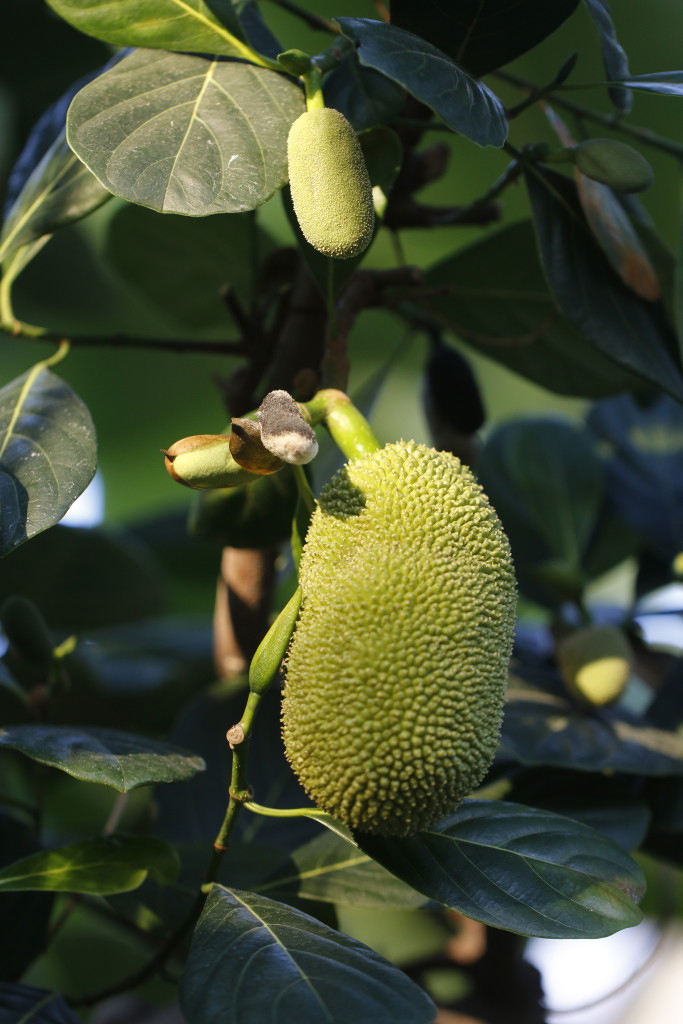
(595, 663)
(329, 182)
(396, 673)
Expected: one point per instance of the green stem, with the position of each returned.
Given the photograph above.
(306, 495)
(313, 84)
(239, 789)
(347, 425)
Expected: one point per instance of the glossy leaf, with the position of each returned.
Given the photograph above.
(332, 870)
(482, 34)
(186, 134)
(613, 54)
(366, 97)
(543, 729)
(494, 296)
(103, 865)
(429, 75)
(642, 451)
(59, 191)
(632, 332)
(47, 454)
(253, 959)
(667, 83)
(519, 868)
(189, 25)
(19, 1003)
(107, 756)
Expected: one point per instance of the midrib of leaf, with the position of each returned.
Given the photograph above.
(470, 30)
(50, 187)
(38, 1006)
(194, 115)
(23, 396)
(56, 872)
(284, 949)
(313, 873)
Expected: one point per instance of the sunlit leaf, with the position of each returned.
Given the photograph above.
(253, 959)
(104, 865)
(47, 454)
(428, 74)
(519, 868)
(111, 758)
(186, 134)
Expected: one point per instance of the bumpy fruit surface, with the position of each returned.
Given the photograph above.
(396, 673)
(614, 164)
(331, 191)
(595, 663)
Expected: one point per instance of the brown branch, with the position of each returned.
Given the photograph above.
(177, 346)
(242, 608)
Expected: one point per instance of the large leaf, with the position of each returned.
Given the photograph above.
(482, 34)
(429, 75)
(332, 870)
(613, 54)
(190, 25)
(111, 758)
(632, 332)
(519, 868)
(186, 134)
(253, 959)
(59, 191)
(47, 454)
(543, 729)
(103, 865)
(22, 1003)
(366, 97)
(494, 296)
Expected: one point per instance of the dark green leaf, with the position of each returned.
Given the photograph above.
(47, 454)
(429, 75)
(252, 960)
(329, 869)
(153, 253)
(543, 729)
(668, 83)
(186, 134)
(22, 1004)
(482, 34)
(519, 868)
(256, 515)
(494, 296)
(190, 25)
(59, 191)
(613, 54)
(632, 332)
(111, 758)
(104, 864)
(85, 578)
(366, 97)
(25, 915)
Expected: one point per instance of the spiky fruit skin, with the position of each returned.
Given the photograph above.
(396, 673)
(328, 179)
(595, 663)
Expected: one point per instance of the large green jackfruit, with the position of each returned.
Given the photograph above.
(396, 674)
(329, 182)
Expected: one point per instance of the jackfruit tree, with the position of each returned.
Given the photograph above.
(372, 668)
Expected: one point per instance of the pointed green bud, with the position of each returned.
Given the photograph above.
(295, 62)
(595, 663)
(266, 663)
(247, 448)
(204, 461)
(613, 163)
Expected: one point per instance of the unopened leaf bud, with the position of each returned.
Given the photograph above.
(284, 431)
(247, 448)
(204, 461)
(613, 163)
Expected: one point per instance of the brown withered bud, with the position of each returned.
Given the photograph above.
(204, 461)
(247, 448)
(284, 431)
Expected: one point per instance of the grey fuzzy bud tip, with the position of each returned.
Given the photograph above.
(284, 431)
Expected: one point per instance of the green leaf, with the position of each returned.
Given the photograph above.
(542, 729)
(189, 25)
(103, 865)
(482, 34)
(23, 1004)
(107, 756)
(253, 516)
(613, 54)
(429, 75)
(365, 97)
(494, 296)
(331, 870)
(47, 454)
(59, 191)
(186, 134)
(667, 83)
(625, 328)
(253, 959)
(25, 916)
(519, 868)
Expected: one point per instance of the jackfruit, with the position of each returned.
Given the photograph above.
(330, 185)
(396, 673)
(595, 663)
